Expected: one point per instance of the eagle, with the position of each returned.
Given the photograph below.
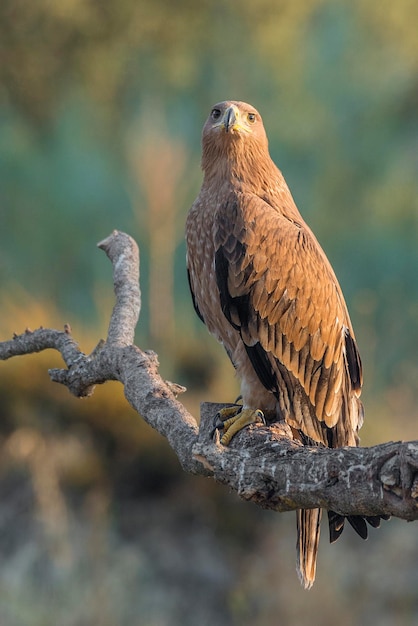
(265, 289)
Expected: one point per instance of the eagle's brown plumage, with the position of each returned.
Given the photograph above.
(263, 286)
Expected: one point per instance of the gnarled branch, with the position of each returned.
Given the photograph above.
(263, 464)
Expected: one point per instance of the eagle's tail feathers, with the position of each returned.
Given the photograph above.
(308, 530)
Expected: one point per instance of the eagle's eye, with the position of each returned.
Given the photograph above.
(251, 117)
(216, 114)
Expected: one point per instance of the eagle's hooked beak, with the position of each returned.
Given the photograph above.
(231, 117)
(233, 121)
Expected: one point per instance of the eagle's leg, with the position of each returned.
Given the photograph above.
(233, 419)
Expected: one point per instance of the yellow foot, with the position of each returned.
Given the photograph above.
(233, 419)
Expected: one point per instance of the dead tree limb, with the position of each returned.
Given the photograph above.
(263, 464)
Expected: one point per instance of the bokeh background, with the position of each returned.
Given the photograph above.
(101, 107)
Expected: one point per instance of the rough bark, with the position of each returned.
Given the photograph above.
(263, 464)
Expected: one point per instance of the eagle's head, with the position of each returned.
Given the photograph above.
(234, 131)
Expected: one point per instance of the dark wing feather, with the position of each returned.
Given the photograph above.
(196, 308)
(236, 308)
(263, 367)
(353, 361)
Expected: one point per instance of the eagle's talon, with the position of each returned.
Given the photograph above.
(217, 424)
(224, 415)
(213, 431)
(233, 419)
(217, 421)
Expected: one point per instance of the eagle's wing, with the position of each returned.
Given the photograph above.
(279, 291)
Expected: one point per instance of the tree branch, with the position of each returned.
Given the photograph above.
(263, 464)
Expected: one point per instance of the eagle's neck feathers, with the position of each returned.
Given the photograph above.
(246, 166)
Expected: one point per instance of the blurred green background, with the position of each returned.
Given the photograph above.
(101, 107)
